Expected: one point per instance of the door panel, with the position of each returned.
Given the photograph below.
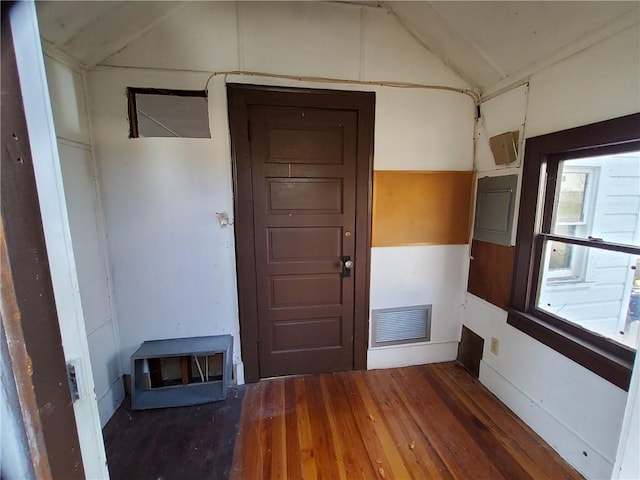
(287, 145)
(311, 333)
(304, 283)
(299, 195)
(304, 290)
(302, 163)
(322, 243)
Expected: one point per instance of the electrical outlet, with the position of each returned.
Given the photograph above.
(495, 345)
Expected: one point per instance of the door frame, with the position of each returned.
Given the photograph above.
(68, 443)
(240, 97)
(29, 318)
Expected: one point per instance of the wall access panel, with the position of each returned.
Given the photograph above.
(495, 204)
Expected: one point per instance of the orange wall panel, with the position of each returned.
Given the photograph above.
(421, 208)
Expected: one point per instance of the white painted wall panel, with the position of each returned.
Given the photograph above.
(300, 38)
(418, 275)
(103, 351)
(201, 36)
(114, 27)
(68, 104)
(173, 266)
(79, 184)
(85, 223)
(599, 83)
(423, 130)
(107, 370)
(558, 389)
(627, 464)
(391, 53)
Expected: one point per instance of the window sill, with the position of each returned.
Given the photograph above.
(614, 367)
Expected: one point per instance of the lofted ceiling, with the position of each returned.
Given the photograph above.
(492, 45)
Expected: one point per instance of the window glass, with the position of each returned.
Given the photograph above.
(599, 197)
(560, 256)
(570, 208)
(606, 301)
(168, 113)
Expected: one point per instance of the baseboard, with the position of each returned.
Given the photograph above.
(589, 462)
(413, 354)
(238, 373)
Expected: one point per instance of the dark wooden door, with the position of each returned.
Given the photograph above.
(302, 169)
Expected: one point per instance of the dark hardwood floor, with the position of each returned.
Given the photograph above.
(186, 443)
(431, 421)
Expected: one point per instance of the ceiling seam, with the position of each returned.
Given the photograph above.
(619, 25)
(406, 27)
(470, 43)
(142, 32)
(50, 50)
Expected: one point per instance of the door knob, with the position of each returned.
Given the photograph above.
(347, 265)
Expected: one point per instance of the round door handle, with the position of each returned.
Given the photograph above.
(348, 264)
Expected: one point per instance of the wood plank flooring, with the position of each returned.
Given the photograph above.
(185, 443)
(431, 421)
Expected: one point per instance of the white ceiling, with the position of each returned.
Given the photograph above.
(491, 44)
(494, 44)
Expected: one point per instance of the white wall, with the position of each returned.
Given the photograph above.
(574, 410)
(66, 87)
(627, 464)
(173, 266)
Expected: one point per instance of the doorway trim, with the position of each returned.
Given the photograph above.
(240, 97)
(30, 322)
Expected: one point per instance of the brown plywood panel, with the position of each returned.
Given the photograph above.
(421, 208)
(290, 290)
(491, 272)
(319, 243)
(312, 333)
(323, 147)
(295, 194)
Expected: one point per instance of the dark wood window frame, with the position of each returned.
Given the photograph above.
(605, 357)
(133, 110)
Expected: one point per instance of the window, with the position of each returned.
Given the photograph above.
(576, 286)
(168, 113)
(572, 216)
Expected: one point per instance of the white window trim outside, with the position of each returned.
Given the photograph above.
(577, 273)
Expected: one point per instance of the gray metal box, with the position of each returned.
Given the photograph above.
(495, 205)
(180, 395)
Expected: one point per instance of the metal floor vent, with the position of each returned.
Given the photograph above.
(397, 326)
